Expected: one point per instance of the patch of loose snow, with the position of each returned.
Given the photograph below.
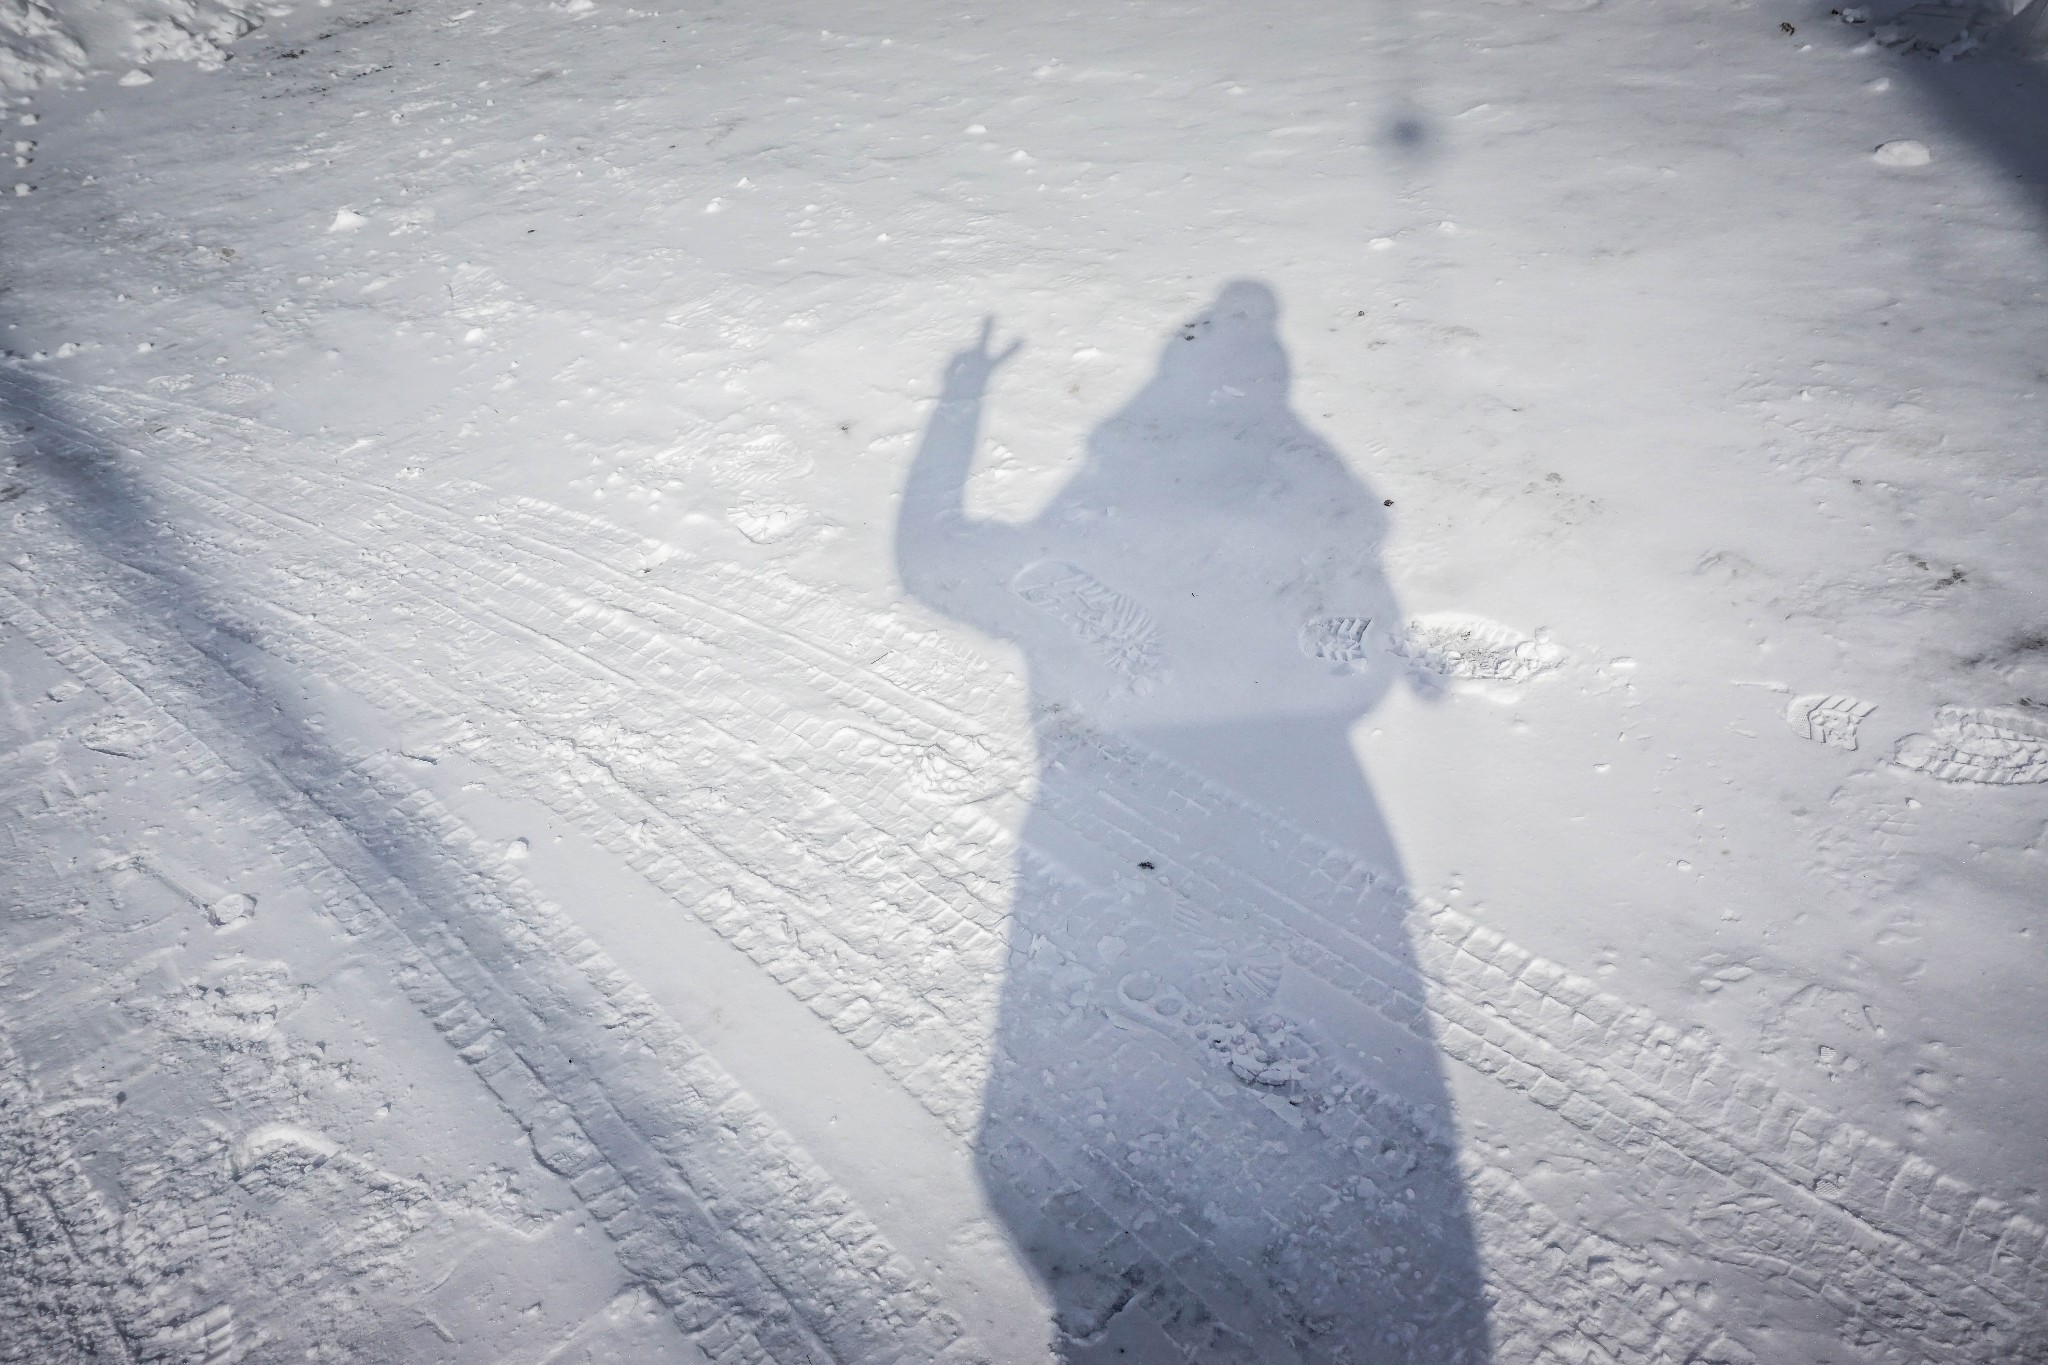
(231, 909)
(755, 461)
(117, 736)
(1455, 645)
(269, 1137)
(476, 293)
(1902, 152)
(764, 523)
(51, 40)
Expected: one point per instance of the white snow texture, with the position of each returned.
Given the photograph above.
(42, 41)
(1157, 683)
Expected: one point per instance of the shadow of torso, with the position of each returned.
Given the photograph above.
(1215, 1122)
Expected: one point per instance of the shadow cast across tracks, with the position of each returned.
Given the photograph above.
(692, 1193)
(1216, 1121)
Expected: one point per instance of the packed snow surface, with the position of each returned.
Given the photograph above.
(886, 682)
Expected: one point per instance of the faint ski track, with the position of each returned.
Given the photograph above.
(1772, 1184)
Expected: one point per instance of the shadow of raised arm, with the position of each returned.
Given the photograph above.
(935, 542)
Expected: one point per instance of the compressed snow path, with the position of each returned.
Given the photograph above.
(1167, 683)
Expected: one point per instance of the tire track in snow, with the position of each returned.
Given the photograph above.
(1884, 1232)
(62, 1286)
(758, 1256)
(1624, 1133)
(1095, 821)
(1849, 1216)
(1172, 1303)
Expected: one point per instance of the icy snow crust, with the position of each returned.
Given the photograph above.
(1173, 683)
(42, 41)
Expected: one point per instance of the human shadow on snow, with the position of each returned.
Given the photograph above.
(1216, 1122)
(1995, 96)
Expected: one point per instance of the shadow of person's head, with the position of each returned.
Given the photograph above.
(1231, 350)
(1205, 511)
(1211, 456)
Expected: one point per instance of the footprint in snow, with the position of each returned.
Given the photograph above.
(1828, 720)
(1972, 744)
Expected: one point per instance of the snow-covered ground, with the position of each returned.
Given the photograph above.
(47, 41)
(893, 682)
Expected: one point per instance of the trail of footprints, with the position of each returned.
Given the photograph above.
(890, 949)
(1970, 744)
(1442, 646)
